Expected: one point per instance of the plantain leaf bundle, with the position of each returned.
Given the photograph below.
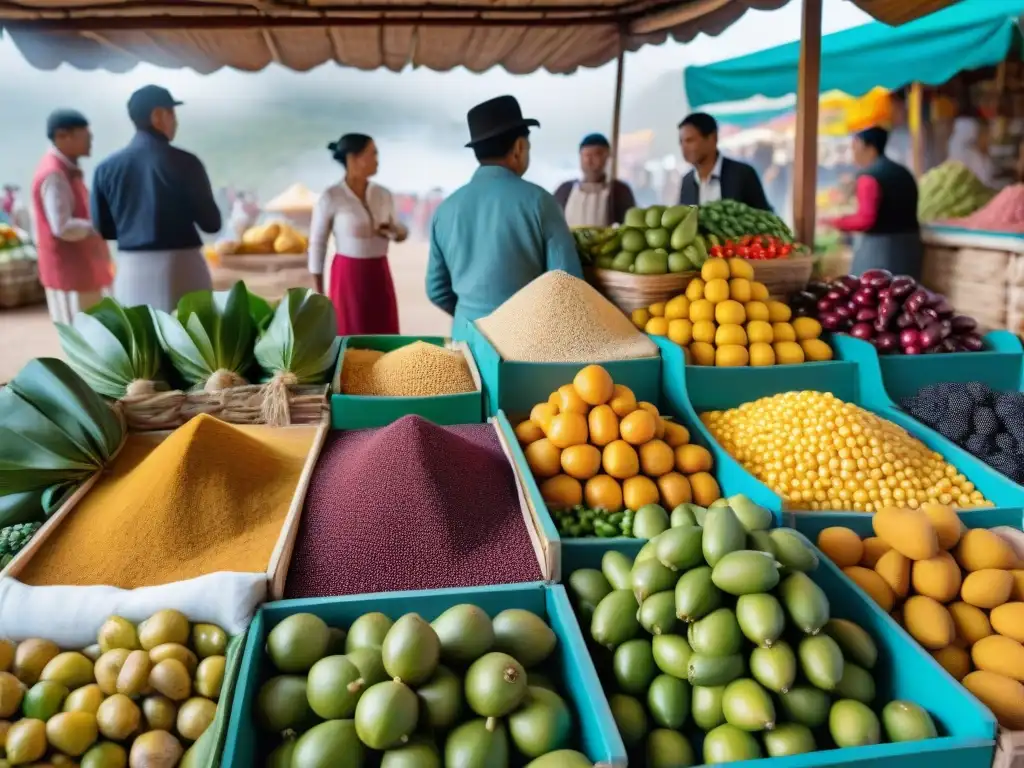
(301, 339)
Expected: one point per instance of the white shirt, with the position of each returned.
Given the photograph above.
(587, 205)
(340, 212)
(710, 189)
(59, 201)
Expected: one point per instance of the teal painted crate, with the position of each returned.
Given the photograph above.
(595, 731)
(810, 524)
(1000, 365)
(360, 412)
(515, 387)
(847, 379)
(903, 671)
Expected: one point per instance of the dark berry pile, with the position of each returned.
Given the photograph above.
(988, 424)
(411, 506)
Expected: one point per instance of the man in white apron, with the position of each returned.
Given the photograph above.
(594, 201)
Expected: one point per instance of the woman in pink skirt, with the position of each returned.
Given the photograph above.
(361, 216)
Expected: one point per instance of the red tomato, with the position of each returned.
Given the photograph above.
(742, 251)
(729, 252)
(785, 250)
(771, 251)
(716, 250)
(756, 251)
(728, 243)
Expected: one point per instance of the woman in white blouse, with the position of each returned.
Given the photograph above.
(361, 216)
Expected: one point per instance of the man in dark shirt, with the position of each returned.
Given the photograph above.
(150, 197)
(714, 177)
(593, 201)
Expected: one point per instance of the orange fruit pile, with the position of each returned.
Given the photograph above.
(592, 443)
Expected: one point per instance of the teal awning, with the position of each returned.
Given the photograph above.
(931, 50)
(751, 118)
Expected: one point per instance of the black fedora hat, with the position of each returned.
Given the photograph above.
(495, 117)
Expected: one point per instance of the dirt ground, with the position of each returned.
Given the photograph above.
(27, 332)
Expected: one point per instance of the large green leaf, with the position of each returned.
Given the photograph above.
(301, 339)
(110, 347)
(261, 312)
(210, 331)
(24, 507)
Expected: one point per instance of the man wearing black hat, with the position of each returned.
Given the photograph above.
(150, 197)
(74, 261)
(594, 202)
(497, 233)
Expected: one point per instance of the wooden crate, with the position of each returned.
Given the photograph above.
(280, 558)
(974, 281)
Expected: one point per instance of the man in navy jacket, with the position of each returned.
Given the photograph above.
(151, 197)
(714, 177)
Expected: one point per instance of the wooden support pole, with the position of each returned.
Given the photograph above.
(617, 109)
(805, 165)
(915, 122)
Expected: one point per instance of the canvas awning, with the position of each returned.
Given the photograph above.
(931, 50)
(520, 35)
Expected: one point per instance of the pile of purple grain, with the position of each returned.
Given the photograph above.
(411, 506)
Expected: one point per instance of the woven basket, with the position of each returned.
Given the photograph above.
(236, 405)
(783, 276)
(628, 291)
(19, 283)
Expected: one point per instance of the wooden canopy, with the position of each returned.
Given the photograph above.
(520, 35)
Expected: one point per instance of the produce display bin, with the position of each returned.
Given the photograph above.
(904, 671)
(515, 387)
(209, 748)
(595, 732)
(999, 365)
(361, 411)
(848, 380)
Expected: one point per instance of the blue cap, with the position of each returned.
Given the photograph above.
(149, 97)
(595, 140)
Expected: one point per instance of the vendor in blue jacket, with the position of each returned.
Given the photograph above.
(497, 233)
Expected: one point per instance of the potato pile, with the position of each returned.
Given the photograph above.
(725, 318)
(593, 443)
(958, 592)
(138, 697)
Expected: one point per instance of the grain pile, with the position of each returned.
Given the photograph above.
(391, 509)
(419, 369)
(558, 318)
(210, 497)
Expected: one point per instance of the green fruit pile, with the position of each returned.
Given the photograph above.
(951, 191)
(651, 241)
(717, 627)
(729, 219)
(580, 521)
(455, 691)
(138, 696)
(13, 539)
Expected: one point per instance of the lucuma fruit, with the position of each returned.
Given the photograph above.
(696, 595)
(411, 650)
(745, 572)
(805, 602)
(542, 724)
(333, 744)
(440, 699)
(495, 685)
(523, 635)
(482, 743)
(614, 620)
(386, 715)
(465, 633)
(333, 687)
(761, 619)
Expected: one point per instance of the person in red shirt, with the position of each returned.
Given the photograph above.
(888, 234)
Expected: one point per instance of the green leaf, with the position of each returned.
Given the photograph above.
(260, 311)
(24, 507)
(301, 339)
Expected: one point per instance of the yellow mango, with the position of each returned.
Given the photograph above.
(873, 584)
(874, 548)
(987, 588)
(971, 623)
(948, 527)
(909, 531)
(980, 549)
(841, 545)
(1008, 620)
(938, 578)
(928, 622)
(1001, 655)
(954, 660)
(1017, 593)
(1003, 695)
(894, 569)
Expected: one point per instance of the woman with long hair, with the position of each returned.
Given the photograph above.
(361, 217)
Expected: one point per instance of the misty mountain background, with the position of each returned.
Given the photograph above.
(264, 131)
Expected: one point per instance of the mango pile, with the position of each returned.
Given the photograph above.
(820, 453)
(726, 318)
(958, 592)
(138, 697)
(466, 689)
(716, 625)
(593, 443)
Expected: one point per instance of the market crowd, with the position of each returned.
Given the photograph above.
(487, 240)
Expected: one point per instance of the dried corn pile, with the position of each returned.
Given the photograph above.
(419, 369)
(390, 509)
(558, 318)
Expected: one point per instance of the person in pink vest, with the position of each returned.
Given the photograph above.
(74, 261)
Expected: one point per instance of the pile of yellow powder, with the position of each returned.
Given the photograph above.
(558, 318)
(419, 369)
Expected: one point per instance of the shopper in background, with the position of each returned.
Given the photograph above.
(74, 261)
(361, 216)
(594, 201)
(969, 144)
(886, 215)
(714, 177)
(150, 197)
(497, 233)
